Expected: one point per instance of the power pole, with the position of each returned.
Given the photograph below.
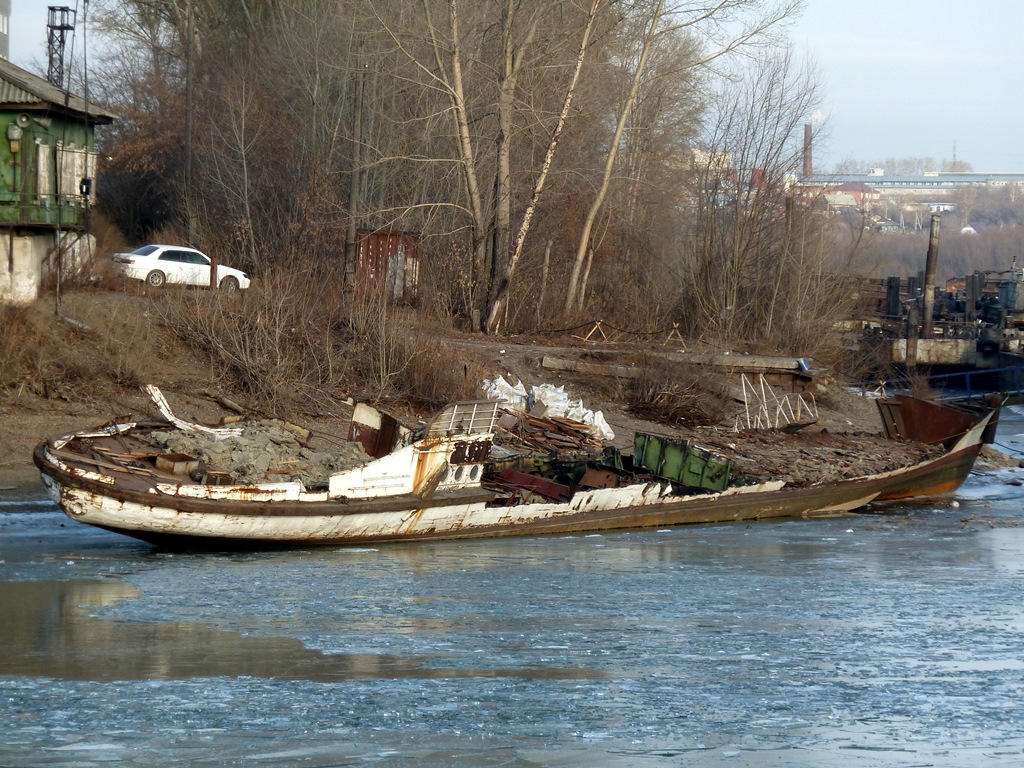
(59, 22)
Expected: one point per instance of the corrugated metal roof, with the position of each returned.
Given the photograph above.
(12, 94)
(19, 86)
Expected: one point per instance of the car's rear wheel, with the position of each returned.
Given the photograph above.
(229, 284)
(156, 278)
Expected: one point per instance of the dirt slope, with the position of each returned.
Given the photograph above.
(92, 366)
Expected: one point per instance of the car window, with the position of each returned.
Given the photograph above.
(171, 256)
(197, 258)
(145, 250)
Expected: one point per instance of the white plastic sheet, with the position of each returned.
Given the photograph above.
(555, 398)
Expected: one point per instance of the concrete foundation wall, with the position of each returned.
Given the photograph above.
(938, 351)
(25, 266)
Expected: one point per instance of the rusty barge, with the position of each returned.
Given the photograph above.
(442, 485)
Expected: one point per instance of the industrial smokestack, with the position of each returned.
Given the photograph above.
(931, 260)
(808, 162)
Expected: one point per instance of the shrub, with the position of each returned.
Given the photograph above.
(296, 337)
(272, 339)
(678, 394)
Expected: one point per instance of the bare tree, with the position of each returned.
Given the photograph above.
(489, 128)
(501, 292)
(477, 54)
(762, 266)
(271, 119)
(724, 27)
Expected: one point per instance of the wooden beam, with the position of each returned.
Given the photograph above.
(595, 369)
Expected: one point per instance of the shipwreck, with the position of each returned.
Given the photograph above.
(451, 479)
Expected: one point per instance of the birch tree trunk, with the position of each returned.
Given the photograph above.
(467, 156)
(354, 203)
(512, 58)
(571, 294)
(501, 289)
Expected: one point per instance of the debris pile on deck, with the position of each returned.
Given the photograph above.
(267, 450)
(546, 400)
(546, 435)
(808, 458)
(270, 450)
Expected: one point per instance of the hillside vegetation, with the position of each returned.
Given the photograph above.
(555, 162)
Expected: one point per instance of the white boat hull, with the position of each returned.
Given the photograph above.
(426, 501)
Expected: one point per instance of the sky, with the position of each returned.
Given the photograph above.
(902, 78)
(28, 31)
(913, 78)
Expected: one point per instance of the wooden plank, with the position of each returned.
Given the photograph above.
(595, 369)
(750, 362)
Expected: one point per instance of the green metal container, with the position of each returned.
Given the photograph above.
(673, 459)
(693, 468)
(681, 462)
(718, 474)
(639, 443)
(647, 452)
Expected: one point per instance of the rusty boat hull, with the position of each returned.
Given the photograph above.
(438, 496)
(905, 417)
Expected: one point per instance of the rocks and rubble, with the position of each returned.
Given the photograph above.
(266, 450)
(992, 457)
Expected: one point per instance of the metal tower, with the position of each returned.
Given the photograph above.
(61, 21)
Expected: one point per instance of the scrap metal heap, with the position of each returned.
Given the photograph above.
(811, 457)
(553, 434)
(553, 457)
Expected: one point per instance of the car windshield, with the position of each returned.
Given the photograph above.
(144, 250)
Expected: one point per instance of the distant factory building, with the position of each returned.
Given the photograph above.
(936, 184)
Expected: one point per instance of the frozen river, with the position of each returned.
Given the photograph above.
(882, 640)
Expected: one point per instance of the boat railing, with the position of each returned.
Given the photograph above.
(467, 417)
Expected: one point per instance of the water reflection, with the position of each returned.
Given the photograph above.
(49, 631)
(1006, 548)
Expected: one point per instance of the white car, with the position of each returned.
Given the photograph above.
(162, 264)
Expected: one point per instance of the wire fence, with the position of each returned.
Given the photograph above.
(601, 328)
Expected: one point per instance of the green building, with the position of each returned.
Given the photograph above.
(47, 180)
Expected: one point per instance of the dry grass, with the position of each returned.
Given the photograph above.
(393, 353)
(100, 340)
(23, 347)
(40, 356)
(292, 343)
(297, 339)
(433, 378)
(678, 394)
